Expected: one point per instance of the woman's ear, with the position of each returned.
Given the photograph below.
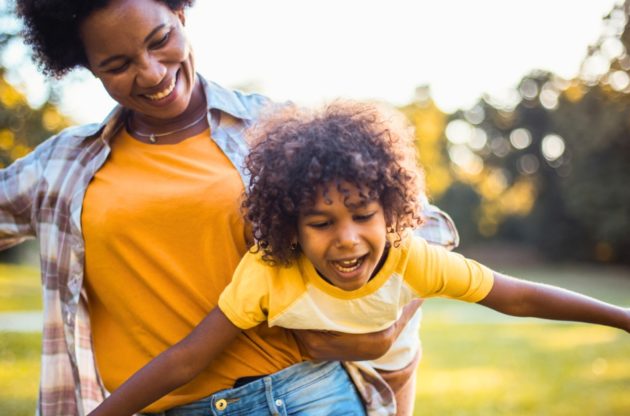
(181, 16)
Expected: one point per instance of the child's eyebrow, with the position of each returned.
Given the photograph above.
(312, 212)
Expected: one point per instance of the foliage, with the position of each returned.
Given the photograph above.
(550, 169)
(22, 127)
(429, 121)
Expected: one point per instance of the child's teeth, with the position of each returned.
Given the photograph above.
(347, 266)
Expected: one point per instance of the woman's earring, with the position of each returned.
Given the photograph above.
(293, 246)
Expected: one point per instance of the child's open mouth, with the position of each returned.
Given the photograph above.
(348, 265)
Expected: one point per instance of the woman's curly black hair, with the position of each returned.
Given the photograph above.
(51, 28)
(296, 153)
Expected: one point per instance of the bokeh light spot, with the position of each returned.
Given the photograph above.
(458, 132)
(528, 164)
(528, 89)
(552, 147)
(478, 140)
(475, 115)
(520, 138)
(619, 80)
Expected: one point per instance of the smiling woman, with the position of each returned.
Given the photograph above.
(139, 223)
(146, 66)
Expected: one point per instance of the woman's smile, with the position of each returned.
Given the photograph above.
(163, 93)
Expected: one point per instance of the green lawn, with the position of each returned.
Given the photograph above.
(476, 362)
(20, 288)
(19, 361)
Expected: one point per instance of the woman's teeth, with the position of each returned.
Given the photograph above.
(158, 96)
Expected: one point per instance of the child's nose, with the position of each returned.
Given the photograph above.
(347, 237)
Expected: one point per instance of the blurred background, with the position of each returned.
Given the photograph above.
(522, 117)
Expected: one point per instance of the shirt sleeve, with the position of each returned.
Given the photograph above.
(438, 227)
(245, 301)
(433, 271)
(19, 183)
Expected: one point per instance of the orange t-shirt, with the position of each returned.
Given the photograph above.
(163, 235)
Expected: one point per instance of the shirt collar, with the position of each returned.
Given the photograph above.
(217, 98)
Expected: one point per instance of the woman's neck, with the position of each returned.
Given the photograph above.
(168, 131)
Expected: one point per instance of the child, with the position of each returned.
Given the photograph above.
(332, 197)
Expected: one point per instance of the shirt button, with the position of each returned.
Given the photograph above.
(279, 403)
(221, 404)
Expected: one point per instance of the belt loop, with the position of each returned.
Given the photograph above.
(273, 410)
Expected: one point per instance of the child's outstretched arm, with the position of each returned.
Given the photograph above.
(522, 298)
(172, 368)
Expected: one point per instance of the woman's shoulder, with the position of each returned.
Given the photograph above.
(243, 105)
(72, 137)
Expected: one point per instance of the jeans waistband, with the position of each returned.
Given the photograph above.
(267, 395)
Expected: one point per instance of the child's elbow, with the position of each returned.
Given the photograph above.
(184, 372)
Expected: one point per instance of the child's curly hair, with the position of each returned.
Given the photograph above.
(52, 30)
(296, 152)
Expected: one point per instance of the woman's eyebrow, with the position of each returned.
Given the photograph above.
(147, 38)
(153, 32)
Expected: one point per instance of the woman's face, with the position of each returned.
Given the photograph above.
(139, 51)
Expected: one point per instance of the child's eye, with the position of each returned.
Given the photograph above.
(319, 224)
(364, 217)
(161, 42)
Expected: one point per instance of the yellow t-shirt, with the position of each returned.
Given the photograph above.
(298, 297)
(163, 234)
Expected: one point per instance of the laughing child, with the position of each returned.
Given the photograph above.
(333, 197)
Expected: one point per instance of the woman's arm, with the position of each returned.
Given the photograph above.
(19, 183)
(522, 298)
(173, 368)
(333, 346)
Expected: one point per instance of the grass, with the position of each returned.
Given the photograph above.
(20, 288)
(19, 378)
(476, 362)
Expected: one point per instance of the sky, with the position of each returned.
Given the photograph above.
(313, 51)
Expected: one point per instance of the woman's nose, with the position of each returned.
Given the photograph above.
(150, 72)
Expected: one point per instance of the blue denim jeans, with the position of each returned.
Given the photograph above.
(313, 389)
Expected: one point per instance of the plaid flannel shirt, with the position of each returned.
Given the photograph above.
(41, 196)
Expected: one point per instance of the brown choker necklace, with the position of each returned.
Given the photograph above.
(153, 137)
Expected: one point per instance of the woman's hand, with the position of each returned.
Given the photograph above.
(334, 346)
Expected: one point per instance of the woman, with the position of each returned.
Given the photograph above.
(138, 218)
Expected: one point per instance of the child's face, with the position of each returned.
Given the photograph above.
(345, 242)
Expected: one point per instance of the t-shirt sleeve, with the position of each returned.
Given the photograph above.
(433, 271)
(245, 301)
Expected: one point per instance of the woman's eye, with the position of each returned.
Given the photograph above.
(161, 42)
(118, 69)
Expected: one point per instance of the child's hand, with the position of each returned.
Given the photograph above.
(333, 346)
